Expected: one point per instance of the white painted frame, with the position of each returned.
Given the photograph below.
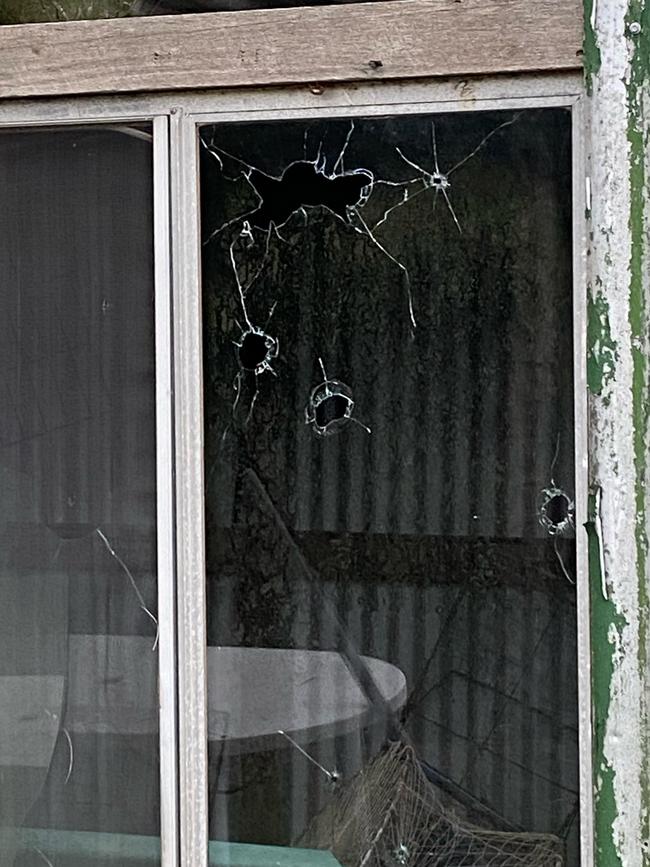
(165, 511)
(179, 387)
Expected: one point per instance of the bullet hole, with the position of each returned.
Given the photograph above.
(330, 407)
(256, 351)
(557, 509)
(435, 179)
(556, 513)
(557, 516)
(439, 181)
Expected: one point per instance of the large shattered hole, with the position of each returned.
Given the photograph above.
(302, 185)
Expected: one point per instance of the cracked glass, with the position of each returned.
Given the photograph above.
(79, 758)
(390, 486)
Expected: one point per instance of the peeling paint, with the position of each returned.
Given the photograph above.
(606, 629)
(601, 358)
(639, 17)
(617, 65)
(591, 51)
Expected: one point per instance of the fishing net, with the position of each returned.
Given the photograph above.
(389, 815)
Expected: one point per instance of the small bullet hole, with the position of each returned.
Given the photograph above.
(375, 64)
(332, 409)
(557, 509)
(253, 351)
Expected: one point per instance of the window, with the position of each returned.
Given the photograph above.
(299, 407)
(79, 717)
(390, 486)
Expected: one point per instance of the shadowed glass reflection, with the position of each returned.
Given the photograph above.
(79, 760)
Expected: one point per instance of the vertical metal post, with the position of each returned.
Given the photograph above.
(165, 499)
(190, 533)
(617, 62)
(582, 484)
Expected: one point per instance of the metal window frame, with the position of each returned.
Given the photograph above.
(69, 113)
(429, 97)
(179, 390)
(165, 514)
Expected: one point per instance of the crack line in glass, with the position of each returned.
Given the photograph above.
(132, 581)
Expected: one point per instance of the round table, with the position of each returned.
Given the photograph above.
(254, 693)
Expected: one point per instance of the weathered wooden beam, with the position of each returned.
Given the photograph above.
(355, 42)
(617, 61)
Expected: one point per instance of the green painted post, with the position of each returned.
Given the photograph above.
(617, 69)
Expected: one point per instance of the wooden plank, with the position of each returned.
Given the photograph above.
(357, 42)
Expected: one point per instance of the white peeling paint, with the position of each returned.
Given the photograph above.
(611, 435)
(601, 545)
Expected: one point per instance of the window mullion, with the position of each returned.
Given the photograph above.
(190, 546)
(165, 500)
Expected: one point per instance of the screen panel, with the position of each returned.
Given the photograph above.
(79, 756)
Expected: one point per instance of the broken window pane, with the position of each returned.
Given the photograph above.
(79, 758)
(390, 489)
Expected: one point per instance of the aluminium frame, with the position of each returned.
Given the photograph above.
(179, 391)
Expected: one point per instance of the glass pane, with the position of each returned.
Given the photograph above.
(390, 485)
(79, 752)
